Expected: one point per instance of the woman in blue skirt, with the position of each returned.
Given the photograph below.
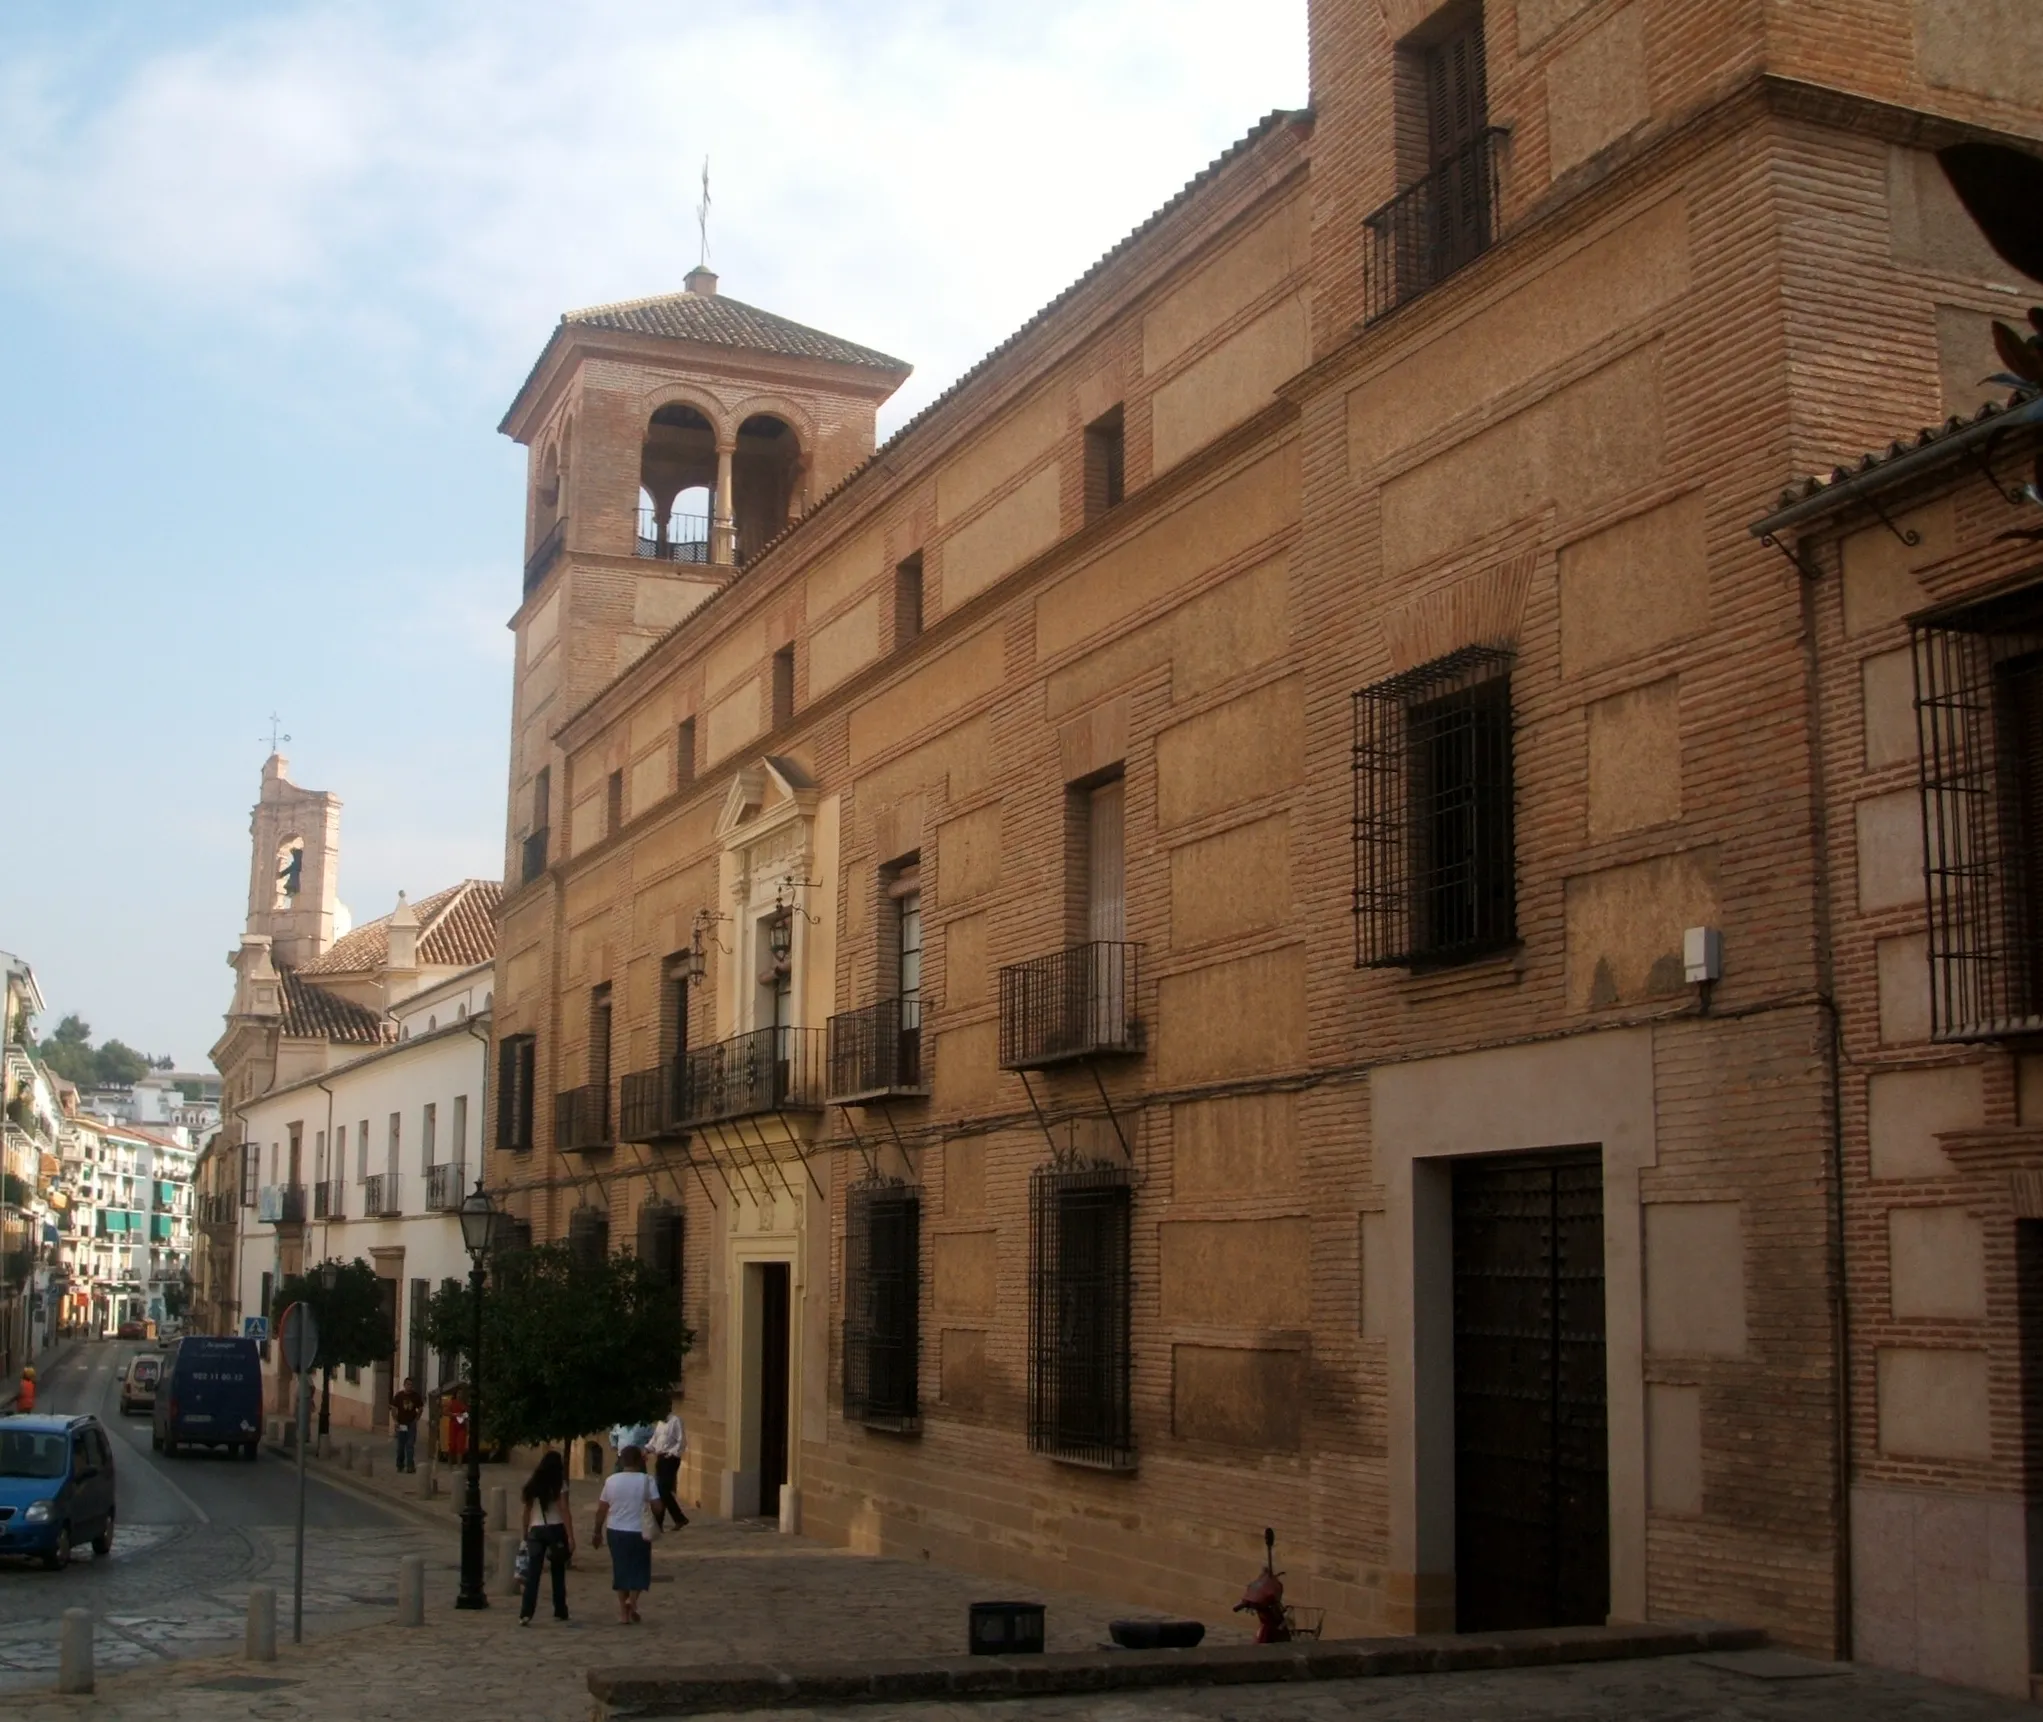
(624, 1522)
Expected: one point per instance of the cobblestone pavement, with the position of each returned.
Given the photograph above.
(742, 1592)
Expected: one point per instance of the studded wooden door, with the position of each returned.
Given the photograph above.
(1531, 1461)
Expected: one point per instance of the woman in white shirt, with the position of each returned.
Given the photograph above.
(623, 1521)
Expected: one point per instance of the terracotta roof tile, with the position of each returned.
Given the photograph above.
(313, 1013)
(457, 929)
(720, 322)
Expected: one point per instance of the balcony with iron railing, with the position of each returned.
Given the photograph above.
(445, 1184)
(677, 538)
(581, 1118)
(281, 1205)
(219, 1210)
(1432, 228)
(380, 1197)
(1072, 1004)
(543, 557)
(876, 1052)
(767, 1070)
(650, 1102)
(329, 1199)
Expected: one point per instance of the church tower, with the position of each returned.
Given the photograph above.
(670, 440)
(294, 866)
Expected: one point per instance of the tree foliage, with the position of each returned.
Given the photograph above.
(569, 1343)
(353, 1328)
(68, 1050)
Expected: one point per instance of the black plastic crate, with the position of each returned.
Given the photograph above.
(1007, 1628)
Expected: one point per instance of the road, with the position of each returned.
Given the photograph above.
(192, 1535)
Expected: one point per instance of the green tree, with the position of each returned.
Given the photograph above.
(569, 1344)
(354, 1328)
(68, 1050)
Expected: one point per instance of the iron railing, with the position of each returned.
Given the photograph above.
(532, 857)
(1435, 866)
(542, 559)
(1074, 1003)
(1080, 1348)
(581, 1118)
(1431, 229)
(281, 1205)
(649, 1102)
(1979, 722)
(679, 538)
(882, 1291)
(767, 1070)
(380, 1196)
(445, 1185)
(218, 1210)
(329, 1200)
(877, 1050)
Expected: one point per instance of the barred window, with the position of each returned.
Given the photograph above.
(1979, 717)
(517, 1061)
(660, 1237)
(1434, 863)
(882, 1289)
(1079, 1342)
(589, 1236)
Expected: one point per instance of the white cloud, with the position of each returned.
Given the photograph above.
(431, 187)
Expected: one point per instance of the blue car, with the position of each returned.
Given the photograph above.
(56, 1487)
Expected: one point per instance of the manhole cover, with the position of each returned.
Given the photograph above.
(244, 1683)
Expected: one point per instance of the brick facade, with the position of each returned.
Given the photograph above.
(1720, 261)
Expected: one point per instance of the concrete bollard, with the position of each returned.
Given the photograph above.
(261, 1642)
(348, 1455)
(500, 1509)
(368, 1461)
(74, 1652)
(425, 1484)
(411, 1591)
(506, 1577)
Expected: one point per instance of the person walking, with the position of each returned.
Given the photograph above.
(624, 1522)
(405, 1406)
(549, 1534)
(24, 1395)
(669, 1442)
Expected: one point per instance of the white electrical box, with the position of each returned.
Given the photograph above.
(1702, 954)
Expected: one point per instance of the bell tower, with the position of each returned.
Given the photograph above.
(670, 440)
(294, 866)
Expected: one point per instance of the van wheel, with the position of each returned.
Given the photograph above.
(169, 1447)
(249, 1451)
(102, 1545)
(60, 1556)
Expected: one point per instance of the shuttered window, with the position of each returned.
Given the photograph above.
(882, 1289)
(1080, 1348)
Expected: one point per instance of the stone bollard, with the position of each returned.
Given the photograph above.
(368, 1461)
(507, 1564)
(500, 1509)
(74, 1652)
(261, 1642)
(425, 1484)
(411, 1591)
(348, 1455)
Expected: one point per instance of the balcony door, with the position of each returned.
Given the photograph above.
(1106, 913)
(1457, 117)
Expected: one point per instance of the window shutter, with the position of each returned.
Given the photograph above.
(1106, 914)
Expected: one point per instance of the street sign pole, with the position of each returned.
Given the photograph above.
(301, 1353)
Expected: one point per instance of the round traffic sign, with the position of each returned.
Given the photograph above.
(301, 1337)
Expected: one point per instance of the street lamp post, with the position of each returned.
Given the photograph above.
(329, 1274)
(478, 1226)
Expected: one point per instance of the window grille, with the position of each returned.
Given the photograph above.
(882, 1291)
(589, 1236)
(517, 1059)
(661, 1236)
(1979, 720)
(1434, 862)
(1079, 1344)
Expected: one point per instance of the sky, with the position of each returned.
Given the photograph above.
(270, 272)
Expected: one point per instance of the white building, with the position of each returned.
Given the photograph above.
(126, 1238)
(392, 1140)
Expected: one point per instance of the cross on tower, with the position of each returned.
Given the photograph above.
(702, 216)
(276, 735)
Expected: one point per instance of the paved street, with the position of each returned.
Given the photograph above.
(193, 1534)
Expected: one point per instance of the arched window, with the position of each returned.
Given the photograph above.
(289, 871)
(677, 481)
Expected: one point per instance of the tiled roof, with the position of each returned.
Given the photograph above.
(1841, 479)
(457, 929)
(313, 1013)
(719, 322)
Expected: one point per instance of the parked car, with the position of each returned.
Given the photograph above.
(56, 1487)
(209, 1395)
(132, 1330)
(138, 1383)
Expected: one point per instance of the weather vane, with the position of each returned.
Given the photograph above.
(276, 735)
(702, 217)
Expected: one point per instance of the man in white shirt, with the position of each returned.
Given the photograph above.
(669, 1441)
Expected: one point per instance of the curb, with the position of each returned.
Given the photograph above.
(337, 1476)
(635, 1692)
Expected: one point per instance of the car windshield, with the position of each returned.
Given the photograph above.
(33, 1453)
(145, 1368)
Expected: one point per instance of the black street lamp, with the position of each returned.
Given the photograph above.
(478, 1227)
